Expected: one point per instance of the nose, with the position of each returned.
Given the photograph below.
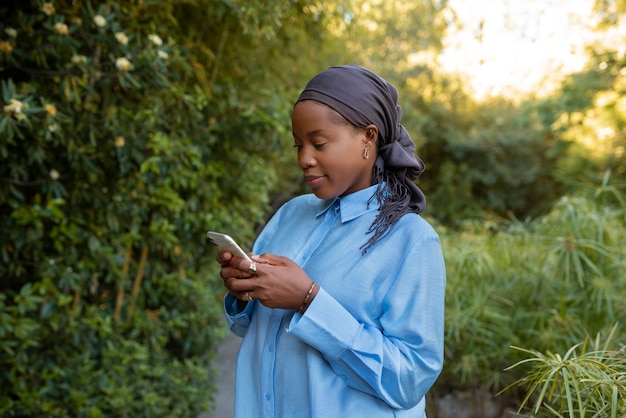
(305, 160)
(304, 164)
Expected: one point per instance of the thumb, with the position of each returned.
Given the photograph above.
(271, 259)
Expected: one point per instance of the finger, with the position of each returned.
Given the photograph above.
(252, 268)
(227, 272)
(238, 287)
(249, 267)
(223, 257)
(227, 259)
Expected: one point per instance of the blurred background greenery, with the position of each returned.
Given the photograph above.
(129, 128)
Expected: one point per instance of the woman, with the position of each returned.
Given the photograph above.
(342, 313)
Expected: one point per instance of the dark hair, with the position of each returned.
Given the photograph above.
(391, 198)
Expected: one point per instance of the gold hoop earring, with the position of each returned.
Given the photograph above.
(366, 153)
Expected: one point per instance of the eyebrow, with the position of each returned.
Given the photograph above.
(309, 134)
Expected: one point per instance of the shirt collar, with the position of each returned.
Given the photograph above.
(353, 205)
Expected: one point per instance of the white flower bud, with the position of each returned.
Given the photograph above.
(100, 21)
(155, 39)
(121, 38)
(48, 9)
(61, 28)
(122, 64)
(119, 141)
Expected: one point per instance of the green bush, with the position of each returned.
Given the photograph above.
(114, 161)
(494, 157)
(543, 285)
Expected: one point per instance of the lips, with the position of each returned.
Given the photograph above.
(313, 181)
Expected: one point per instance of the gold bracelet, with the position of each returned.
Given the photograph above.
(306, 299)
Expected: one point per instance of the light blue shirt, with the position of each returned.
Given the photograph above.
(370, 343)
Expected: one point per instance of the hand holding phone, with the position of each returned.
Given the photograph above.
(226, 242)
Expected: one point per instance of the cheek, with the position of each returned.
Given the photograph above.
(349, 163)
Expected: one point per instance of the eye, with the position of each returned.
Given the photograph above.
(320, 145)
(298, 147)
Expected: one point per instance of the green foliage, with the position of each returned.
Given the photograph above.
(544, 285)
(494, 157)
(590, 115)
(587, 381)
(609, 11)
(385, 35)
(121, 145)
(129, 128)
(545, 282)
(514, 158)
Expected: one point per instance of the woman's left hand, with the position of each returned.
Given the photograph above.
(277, 283)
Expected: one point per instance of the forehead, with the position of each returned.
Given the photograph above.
(311, 111)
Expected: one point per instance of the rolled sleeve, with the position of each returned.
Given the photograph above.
(326, 326)
(237, 321)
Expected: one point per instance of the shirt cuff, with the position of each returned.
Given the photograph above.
(326, 325)
(233, 315)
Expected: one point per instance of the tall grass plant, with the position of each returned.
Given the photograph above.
(542, 285)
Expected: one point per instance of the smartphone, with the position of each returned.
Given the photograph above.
(225, 242)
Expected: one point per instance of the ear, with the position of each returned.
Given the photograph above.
(371, 135)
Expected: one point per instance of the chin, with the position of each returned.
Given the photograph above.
(320, 194)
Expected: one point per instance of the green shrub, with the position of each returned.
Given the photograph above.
(543, 285)
(587, 381)
(113, 164)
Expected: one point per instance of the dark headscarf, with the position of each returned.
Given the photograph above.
(364, 98)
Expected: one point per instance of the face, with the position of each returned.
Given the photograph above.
(330, 151)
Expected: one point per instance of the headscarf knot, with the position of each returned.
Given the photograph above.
(400, 154)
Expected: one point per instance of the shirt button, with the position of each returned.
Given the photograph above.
(270, 348)
(268, 396)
